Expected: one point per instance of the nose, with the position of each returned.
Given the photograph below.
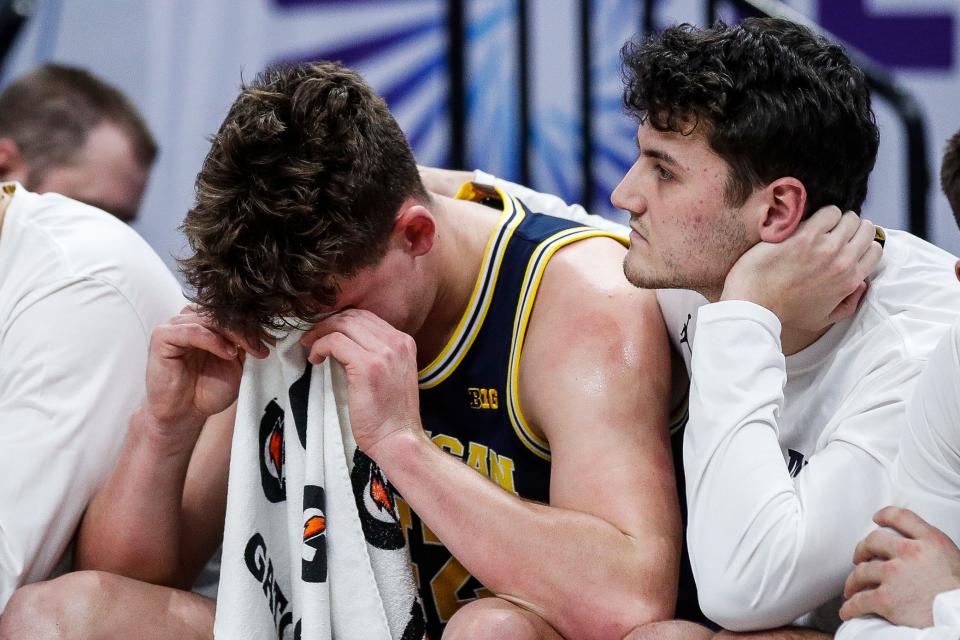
(629, 194)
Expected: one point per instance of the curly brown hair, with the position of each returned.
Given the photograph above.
(301, 186)
(773, 98)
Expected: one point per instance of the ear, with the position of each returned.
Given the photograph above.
(415, 228)
(785, 200)
(956, 269)
(12, 166)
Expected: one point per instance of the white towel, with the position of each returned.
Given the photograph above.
(312, 544)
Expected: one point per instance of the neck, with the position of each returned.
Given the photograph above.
(463, 229)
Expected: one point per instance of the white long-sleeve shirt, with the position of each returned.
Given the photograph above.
(80, 293)
(786, 459)
(926, 480)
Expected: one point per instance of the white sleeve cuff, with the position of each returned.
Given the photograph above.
(739, 310)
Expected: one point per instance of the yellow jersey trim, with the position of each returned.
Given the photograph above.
(528, 295)
(470, 323)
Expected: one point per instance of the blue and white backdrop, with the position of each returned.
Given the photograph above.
(182, 62)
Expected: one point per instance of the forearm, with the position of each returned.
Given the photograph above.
(580, 573)
(133, 525)
(764, 548)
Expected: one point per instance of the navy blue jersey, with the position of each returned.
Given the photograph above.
(469, 400)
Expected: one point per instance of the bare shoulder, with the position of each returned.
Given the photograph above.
(585, 301)
(592, 335)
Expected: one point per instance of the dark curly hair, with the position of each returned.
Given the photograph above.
(301, 186)
(772, 98)
(950, 174)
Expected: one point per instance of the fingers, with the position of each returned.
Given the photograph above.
(864, 250)
(903, 520)
(172, 340)
(866, 575)
(252, 345)
(824, 219)
(868, 601)
(862, 238)
(848, 306)
(359, 325)
(879, 544)
(343, 349)
(847, 228)
(870, 259)
(193, 314)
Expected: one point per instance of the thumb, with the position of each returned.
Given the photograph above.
(848, 306)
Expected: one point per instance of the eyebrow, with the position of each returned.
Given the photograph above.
(657, 154)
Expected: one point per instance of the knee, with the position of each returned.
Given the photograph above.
(30, 612)
(62, 608)
(490, 619)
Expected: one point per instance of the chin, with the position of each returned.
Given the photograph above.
(638, 275)
(643, 277)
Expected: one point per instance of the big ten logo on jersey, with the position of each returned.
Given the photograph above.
(482, 398)
(485, 460)
(261, 567)
(272, 453)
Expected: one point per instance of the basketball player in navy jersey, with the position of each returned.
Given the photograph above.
(494, 376)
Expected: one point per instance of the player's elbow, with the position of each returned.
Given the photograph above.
(647, 592)
(643, 611)
(728, 612)
(615, 611)
(614, 623)
(736, 606)
(128, 561)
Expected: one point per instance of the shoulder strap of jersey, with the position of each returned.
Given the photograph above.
(471, 321)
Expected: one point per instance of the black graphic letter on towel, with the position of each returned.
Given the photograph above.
(261, 567)
(299, 392)
(314, 551)
(375, 503)
(272, 453)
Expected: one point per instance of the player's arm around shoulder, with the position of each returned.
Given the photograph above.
(595, 381)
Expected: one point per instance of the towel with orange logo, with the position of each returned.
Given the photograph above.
(312, 544)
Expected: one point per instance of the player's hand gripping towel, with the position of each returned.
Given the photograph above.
(312, 544)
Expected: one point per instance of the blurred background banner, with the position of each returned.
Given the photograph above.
(526, 89)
